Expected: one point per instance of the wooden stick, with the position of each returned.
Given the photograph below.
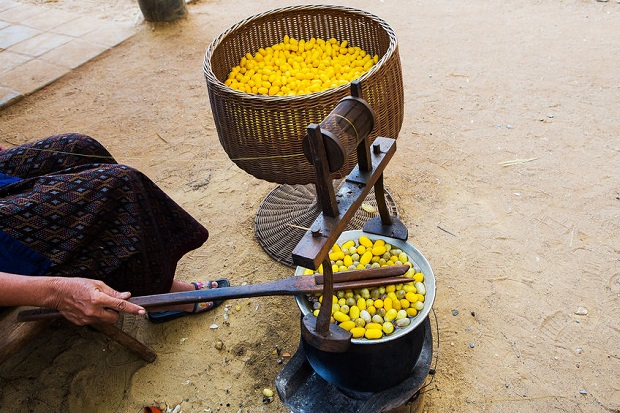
(296, 285)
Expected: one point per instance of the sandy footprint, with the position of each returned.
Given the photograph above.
(555, 326)
(614, 283)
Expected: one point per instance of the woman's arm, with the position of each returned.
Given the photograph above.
(81, 300)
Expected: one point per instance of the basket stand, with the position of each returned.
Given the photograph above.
(289, 210)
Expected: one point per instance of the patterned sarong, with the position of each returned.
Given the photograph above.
(89, 216)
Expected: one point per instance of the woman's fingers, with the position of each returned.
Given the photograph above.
(118, 301)
(85, 301)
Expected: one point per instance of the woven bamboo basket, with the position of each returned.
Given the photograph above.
(263, 134)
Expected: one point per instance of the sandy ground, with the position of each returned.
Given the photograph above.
(516, 249)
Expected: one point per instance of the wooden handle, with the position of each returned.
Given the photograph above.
(366, 274)
(295, 285)
(289, 286)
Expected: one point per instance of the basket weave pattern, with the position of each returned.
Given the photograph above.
(263, 134)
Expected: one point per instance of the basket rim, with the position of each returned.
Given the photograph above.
(215, 82)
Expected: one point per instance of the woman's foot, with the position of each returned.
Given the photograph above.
(181, 286)
(192, 308)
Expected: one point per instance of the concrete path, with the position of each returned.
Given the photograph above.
(39, 45)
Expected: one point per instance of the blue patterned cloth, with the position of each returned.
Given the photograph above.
(90, 217)
(15, 257)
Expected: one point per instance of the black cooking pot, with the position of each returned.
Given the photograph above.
(371, 366)
(374, 365)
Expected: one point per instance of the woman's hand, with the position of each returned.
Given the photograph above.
(84, 301)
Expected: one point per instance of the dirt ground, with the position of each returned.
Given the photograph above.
(506, 174)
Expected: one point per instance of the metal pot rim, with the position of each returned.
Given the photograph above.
(414, 255)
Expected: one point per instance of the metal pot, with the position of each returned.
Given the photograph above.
(374, 365)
